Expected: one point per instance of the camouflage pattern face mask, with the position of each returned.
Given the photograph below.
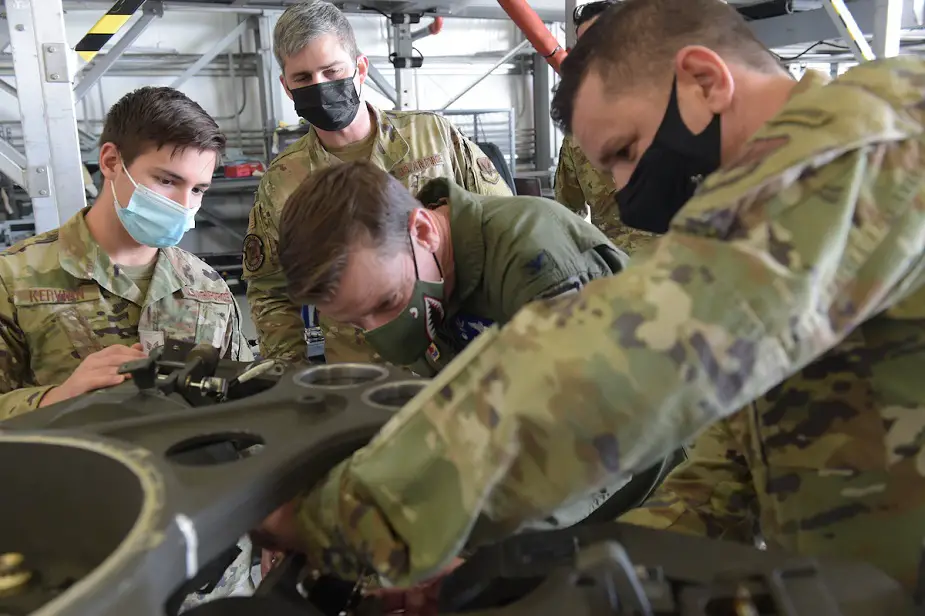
(408, 337)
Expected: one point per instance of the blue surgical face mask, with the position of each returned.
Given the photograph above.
(153, 219)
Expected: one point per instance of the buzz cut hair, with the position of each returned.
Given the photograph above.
(302, 23)
(634, 43)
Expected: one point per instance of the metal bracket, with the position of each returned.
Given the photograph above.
(37, 181)
(54, 60)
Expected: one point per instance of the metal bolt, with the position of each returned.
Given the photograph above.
(20, 27)
(13, 575)
(40, 170)
(55, 76)
(52, 49)
(43, 193)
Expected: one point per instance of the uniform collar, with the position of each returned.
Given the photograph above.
(811, 79)
(81, 257)
(466, 233)
(389, 149)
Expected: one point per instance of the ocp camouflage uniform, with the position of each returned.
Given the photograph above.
(414, 147)
(791, 285)
(62, 299)
(583, 189)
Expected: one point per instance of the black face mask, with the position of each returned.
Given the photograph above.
(669, 171)
(328, 106)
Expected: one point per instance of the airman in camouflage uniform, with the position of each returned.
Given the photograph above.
(412, 146)
(792, 285)
(590, 193)
(63, 299)
(65, 303)
(582, 188)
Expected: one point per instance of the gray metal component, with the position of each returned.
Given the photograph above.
(571, 37)
(849, 30)
(46, 105)
(210, 55)
(4, 33)
(888, 19)
(271, 103)
(816, 25)
(8, 89)
(101, 63)
(405, 94)
(387, 89)
(503, 60)
(542, 125)
(13, 163)
(180, 482)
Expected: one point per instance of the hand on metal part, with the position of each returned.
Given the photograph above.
(97, 371)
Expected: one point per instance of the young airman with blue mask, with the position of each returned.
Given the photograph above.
(110, 284)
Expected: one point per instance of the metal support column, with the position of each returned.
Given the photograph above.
(271, 94)
(571, 36)
(542, 139)
(888, 20)
(97, 67)
(403, 47)
(849, 30)
(54, 174)
(387, 89)
(211, 54)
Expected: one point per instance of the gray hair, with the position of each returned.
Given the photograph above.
(302, 23)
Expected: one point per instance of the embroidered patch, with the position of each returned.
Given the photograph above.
(417, 166)
(488, 171)
(253, 252)
(433, 352)
(207, 296)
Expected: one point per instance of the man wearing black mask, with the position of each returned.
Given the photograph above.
(324, 74)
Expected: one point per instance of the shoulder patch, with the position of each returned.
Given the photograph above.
(487, 170)
(254, 254)
(536, 265)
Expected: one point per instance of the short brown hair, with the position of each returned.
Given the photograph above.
(154, 117)
(329, 214)
(636, 40)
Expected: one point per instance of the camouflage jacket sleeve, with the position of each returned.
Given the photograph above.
(710, 494)
(568, 190)
(17, 393)
(819, 226)
(474, 170)
(278, 321)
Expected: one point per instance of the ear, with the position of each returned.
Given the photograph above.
(706, 76)
(422, 227)
(362, 68)
(282, 80)
(110, 161)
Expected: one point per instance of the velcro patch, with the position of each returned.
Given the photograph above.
(417, 166)
(44, 295)
(488, 171)
(214, 297)
(254, 254)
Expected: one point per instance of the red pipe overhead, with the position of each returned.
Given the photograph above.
(535, 30)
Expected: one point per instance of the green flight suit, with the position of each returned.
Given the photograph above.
(791, 285)
(414, 147)
(62, 299)
(580, 187)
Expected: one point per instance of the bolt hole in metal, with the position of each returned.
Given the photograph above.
(393, 396)
(341, 376)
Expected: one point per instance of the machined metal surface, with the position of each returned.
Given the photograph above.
(115, 501)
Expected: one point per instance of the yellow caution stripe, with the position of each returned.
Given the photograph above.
(106, 27)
